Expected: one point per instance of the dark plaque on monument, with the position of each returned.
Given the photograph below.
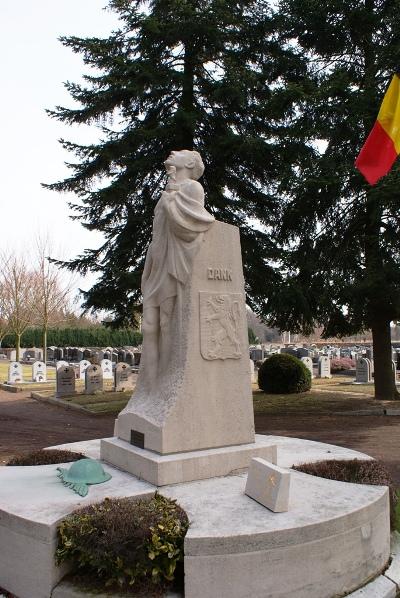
(137, 439)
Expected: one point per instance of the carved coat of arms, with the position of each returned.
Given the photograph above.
(220, 322)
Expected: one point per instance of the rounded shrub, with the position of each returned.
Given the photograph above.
(45, 457)
(356, 471)
(283, 373)
(125, 543)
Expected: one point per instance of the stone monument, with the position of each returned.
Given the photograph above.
(193, 392)
(83, 365)
(93, 379)
(106, 366)
(39, 371)
(308, 362)
(15, 373)
(324, 367)
(363, 371)
(65, 381)
(123, 377)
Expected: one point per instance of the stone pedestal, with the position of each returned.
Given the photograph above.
(203, 398)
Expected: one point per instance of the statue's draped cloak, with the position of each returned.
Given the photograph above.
(180, 220)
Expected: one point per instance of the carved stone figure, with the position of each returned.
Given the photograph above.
(180, 220)
(193, 389)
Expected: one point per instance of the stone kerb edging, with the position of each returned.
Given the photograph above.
(386, 585)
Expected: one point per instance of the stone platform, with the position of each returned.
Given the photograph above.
(333, 540)
(162, 470)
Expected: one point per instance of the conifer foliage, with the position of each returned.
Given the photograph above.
(341, 267)
(179, 74)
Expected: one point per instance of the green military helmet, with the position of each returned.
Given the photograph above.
(82, 474)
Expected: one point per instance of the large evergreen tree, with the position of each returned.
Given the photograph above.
(179, 74)
(341, 267)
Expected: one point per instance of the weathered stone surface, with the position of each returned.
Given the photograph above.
(106, 366)
(65, 381)
(308, 362)
(123, 377)
(381, 587)
(269, 485)
(39, 371)
(363, 370)
(15, 372)
(83, 365)
(201, 402)
(324, 367)
(161, 470)
(93, 379)
(334, 536)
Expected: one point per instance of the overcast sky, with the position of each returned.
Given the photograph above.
(34, 65)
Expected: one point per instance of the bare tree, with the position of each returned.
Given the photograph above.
(17, 284)
(51, 304)
(4, 327)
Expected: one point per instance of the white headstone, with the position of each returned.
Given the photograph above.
(106, 366)
(324, 367)
(309, 365)
(83, 365)
(394, 366)
(253, 373)
(363, 370)
(65, 381)
(123, 377)
(39, 371)
(61, 364)
(93, 379)
(269, 485)
(15, 372)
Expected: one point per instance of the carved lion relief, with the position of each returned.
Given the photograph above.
(220, 322)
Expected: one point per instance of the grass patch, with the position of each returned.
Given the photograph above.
(309, 402)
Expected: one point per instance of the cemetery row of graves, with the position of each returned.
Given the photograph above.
(93, 375)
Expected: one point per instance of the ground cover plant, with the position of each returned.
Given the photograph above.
(355, 471)
(45, 457)
(283, 373)
(126, 543)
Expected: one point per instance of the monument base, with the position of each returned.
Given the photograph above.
(162, 470)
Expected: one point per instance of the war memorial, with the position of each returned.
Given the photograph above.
(257, 528)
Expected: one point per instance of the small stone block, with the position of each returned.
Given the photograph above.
(269, 485)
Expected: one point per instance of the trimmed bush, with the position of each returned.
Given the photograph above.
(283, 374)
(125, 543)
(357, 472)
(45, 457)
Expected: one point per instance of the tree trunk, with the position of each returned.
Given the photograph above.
(385, 387)
(44, 343)
(17, 346)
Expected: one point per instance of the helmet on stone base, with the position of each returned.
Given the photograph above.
(82, 474)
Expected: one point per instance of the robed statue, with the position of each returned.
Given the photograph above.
(180, 220)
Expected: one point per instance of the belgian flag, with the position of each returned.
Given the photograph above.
(382, 147)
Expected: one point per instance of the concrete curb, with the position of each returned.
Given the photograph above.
(60, 403)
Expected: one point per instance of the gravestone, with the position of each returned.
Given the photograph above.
(363, 370)
(93, 379)
(61, 364)
(39, 372)
(324, 367)
(65, 381)
(309, 365)
(269, 485)
(256, 354)
(15, 372)
(394, 370)
(79, 355)
(136, 358)
(106, 366)
(83, 365)
(303, 352)
(123, 377)
(289, 351)
(253, 373)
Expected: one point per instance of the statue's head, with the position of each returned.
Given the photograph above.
(191, 160)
